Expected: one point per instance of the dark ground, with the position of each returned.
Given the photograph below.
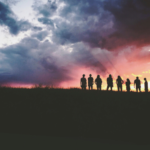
(107, 116)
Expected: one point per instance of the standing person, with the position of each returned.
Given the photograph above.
(146, 85)
(138, 84)
(83, 82)
(90, 82)
(109, 82)
(98, 82)
(128, 85)
(119, 82)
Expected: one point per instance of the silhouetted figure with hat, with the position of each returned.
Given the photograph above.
(119, 82)
(145, 85)
(138, 84)
(98, 82)
(90, 82)
(109, 82)
(83, 82)
(128, 85)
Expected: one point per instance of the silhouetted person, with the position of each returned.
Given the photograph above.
(146, 85)
(98, 82)
(128, 85)
(109, 82)
(138, 84)
(90, 82)
(83, 82)
(119, 82)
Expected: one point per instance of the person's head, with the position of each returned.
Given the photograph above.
(119, 77)
(110, 76)
(145, 79)
(83, 75)
(98, 76)
(127, 79)
(137, 77)
(90, 75)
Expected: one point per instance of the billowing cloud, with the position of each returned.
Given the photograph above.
(46, 21)
(8, 19)
(40, 35)
(31, 62)
(106, 24)
(131, 21)
(47, 9)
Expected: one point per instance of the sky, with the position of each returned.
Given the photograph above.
(55, 42)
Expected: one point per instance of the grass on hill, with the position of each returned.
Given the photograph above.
(75, 113)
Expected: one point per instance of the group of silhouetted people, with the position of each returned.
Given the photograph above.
(119, 82)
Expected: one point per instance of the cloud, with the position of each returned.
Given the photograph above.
(8, 18)
(83, 21)
(41, 35)
(131, 21)
(32, 62)
(46, 21)
(46, 10)
(10, 2)
(35, 28)
(111, 25)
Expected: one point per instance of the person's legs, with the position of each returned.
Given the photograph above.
(118, 87)
(97, 87)
(107, 87)
(91, 87)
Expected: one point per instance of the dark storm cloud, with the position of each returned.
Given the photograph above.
(82, 57)
(84, 21)
(132, 21)
(7, 18)
(35, 28)
(108, 24)
(40, 35)
(47, 9)
(80, 21)
(30, 61)
(46, 21)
